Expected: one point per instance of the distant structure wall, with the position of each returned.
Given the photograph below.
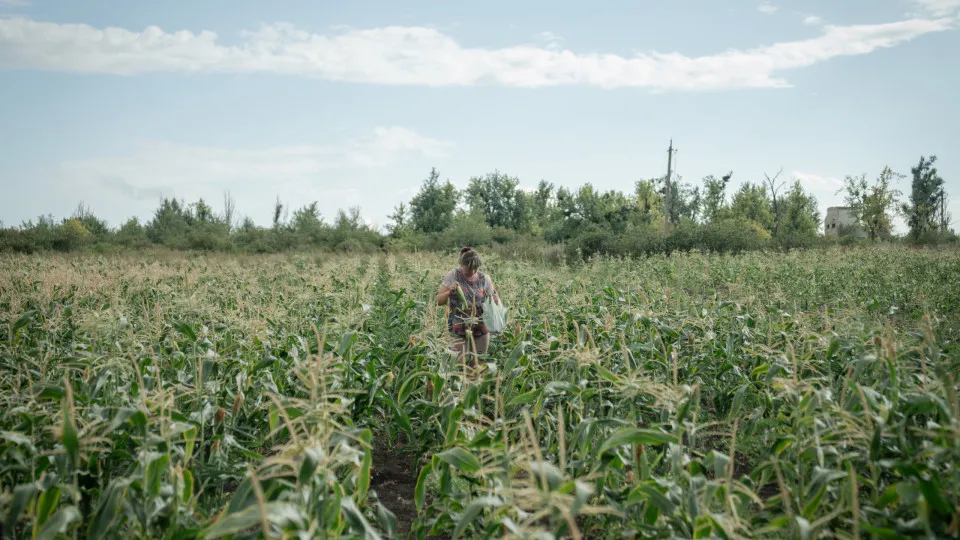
(841, 218)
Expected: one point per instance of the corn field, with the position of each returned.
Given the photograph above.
(802, 395)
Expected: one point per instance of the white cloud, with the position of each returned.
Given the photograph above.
(423, 56)
(820, 185)
(387, 142)
(337, 175)
(550, 40)
(164, 165)
(13, 3)
(938, 8)
(767, 8)
(812, 20)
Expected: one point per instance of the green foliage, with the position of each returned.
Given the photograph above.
(873, 205)
(132, 234)
(400, 222)
(592, 241)
(684, 200)
(350, 234)
(496, 198)
(548, 223)
(307, 224)
(724, 236)
(752, 203)
(801, 394)
(170, 222)
(16, 241)
(714, 198)
(432, 207)
(70, 235)
(734, 235)
(586, 211)
(799, 219)
(649, 203)
(95, 226)
(542, 206)
(925, 211)
(468, 229)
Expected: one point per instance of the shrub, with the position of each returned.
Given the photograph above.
(684, 237)
(467, 230)
(502, 235)
(15, 241)
(533, 249)
(734, 236)
(355, 245)
(132, 235)
(642, 240)
(70, 235)
(594, 241)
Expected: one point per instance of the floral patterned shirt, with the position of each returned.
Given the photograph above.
(474, 292)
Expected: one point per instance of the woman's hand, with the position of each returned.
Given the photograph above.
(443, 295)
(495, 293)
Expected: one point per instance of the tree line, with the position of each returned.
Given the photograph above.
(494, 210)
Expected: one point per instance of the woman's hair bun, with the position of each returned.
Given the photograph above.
(469, 258)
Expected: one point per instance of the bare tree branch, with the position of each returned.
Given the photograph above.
(774, 188)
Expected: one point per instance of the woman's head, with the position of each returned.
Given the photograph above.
(469, 260)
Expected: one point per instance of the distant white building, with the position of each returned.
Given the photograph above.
(841, 217)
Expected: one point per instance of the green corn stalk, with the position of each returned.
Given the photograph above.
(767, 395)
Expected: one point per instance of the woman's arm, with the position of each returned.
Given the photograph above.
(447, 286)
(493, 290)
(444, 294)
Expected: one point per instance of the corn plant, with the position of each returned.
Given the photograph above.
(799, 395)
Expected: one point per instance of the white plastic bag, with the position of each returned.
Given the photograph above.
(494, 316)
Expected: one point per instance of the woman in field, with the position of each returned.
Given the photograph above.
(464, 290)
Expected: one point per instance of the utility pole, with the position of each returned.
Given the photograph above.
(943, 215)
(666, 196)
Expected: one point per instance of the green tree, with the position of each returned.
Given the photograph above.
(277, 214)
(800, 216)
(350, 232)
(873, 205)
(432, 208)
(307, 224)
(610, 210)
(400, 221)
(925, 212)
(496, 197)
(469, 228)
(203, 212)
(542, 203)
(714, 204)
(70, 235)
(132, 234)
(588, 209)
(775, 201)
(751, 202)
(684, 200)
(170, 223)
(649, 203)
(95, 226)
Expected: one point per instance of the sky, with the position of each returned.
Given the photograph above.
(118, 103)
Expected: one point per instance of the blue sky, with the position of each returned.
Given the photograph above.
(117, 103)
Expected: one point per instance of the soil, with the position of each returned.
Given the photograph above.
(394, 478)
(741, 465)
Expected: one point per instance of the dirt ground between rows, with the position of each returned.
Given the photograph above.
(394, 478)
